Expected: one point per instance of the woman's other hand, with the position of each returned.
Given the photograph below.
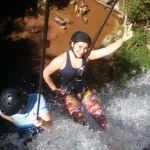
(127, 33)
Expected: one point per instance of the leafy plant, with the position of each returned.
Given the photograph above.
(100, 73)
(137, 10)
(133, 58)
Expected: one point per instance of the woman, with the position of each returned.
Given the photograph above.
(72, 65)
(21, 109)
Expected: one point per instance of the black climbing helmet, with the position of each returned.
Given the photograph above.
(11, 100)
(80, 36)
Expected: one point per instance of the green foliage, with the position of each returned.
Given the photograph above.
(131, 60)
(133, 57)
(99, 73)
(137, 10)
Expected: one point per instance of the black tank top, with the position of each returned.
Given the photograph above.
(69, 72)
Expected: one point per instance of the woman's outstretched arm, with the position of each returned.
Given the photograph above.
(95, 54)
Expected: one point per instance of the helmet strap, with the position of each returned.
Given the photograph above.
(74, 53)
(72, 48)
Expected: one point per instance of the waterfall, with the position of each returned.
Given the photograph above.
(128, 114)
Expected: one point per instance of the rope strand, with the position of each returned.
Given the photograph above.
(43, 51)
(100, 30)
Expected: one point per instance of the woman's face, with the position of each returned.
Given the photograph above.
(80, 48)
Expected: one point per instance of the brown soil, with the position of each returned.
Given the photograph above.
(58, 37)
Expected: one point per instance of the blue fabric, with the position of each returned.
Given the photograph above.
(32, 131)
(25, 118)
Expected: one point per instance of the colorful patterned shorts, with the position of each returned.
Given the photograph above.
(72, 105)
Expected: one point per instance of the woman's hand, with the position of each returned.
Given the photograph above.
(57, 91)
(127, 33)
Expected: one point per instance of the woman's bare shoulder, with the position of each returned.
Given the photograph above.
(61, 57)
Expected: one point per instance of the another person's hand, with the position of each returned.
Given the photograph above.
(38, 122)
(127, 33)
(45, 122)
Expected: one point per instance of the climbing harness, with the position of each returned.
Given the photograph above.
(70, 83)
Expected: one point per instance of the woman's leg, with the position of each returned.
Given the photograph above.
(73, 107)
(93, 107)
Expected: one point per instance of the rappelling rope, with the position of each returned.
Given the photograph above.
(46, 17)
(100, 30)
